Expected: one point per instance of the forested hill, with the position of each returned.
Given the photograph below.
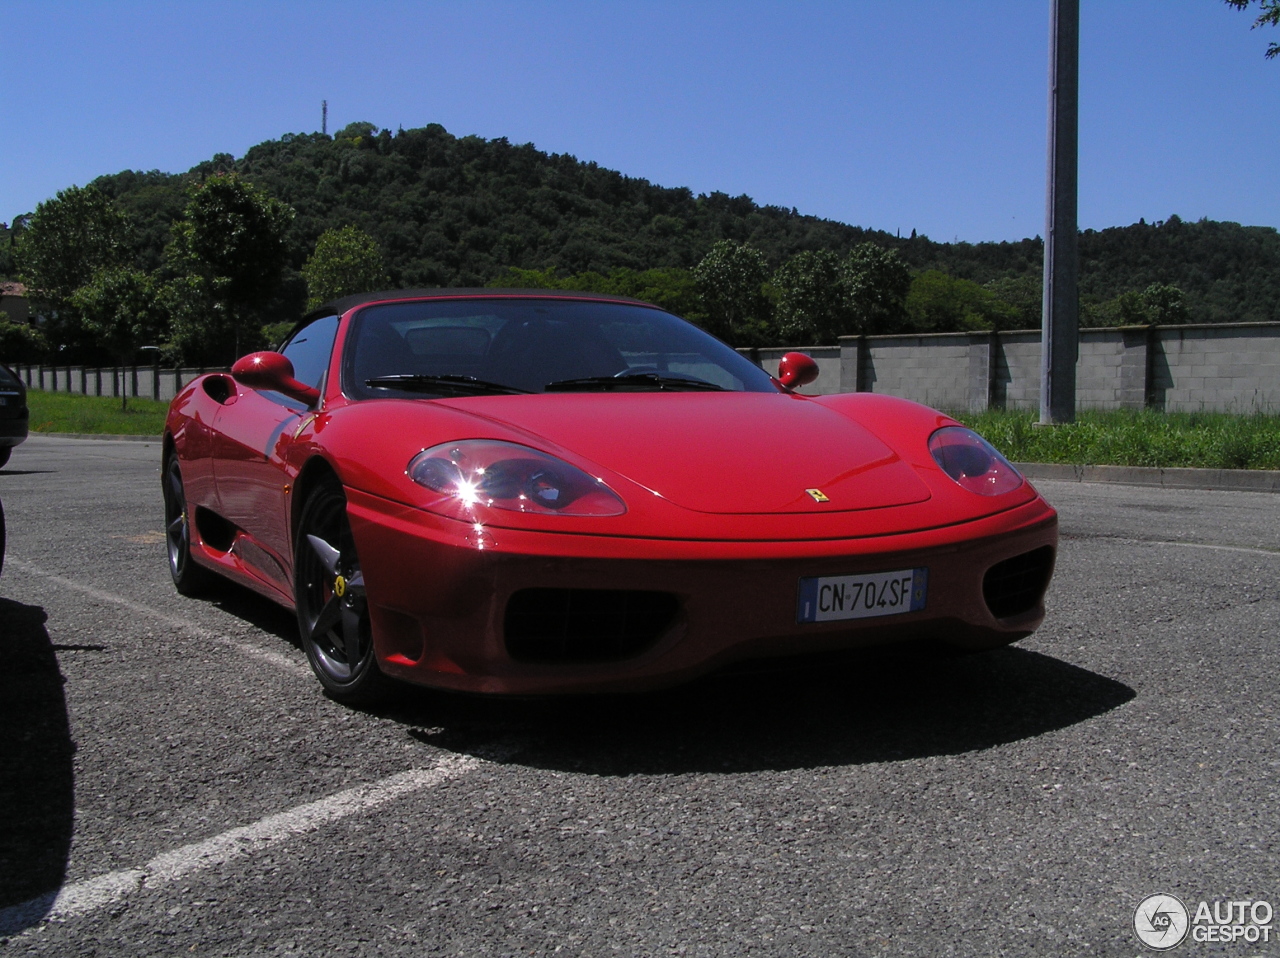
(459, 211)
(1230, 273)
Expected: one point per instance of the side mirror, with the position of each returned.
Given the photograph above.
(268, 370)
(796, 369)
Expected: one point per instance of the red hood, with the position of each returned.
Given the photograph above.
(718, 452)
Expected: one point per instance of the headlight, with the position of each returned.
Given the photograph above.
(505, 475)
(973, 462)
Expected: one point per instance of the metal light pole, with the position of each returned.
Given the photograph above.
(1059, 339)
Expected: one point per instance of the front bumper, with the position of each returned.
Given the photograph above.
(438, 590)
(13, 429)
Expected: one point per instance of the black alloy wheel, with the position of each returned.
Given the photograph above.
(188, 578)
(333, 614)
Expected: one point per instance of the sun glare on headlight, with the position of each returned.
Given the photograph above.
(505, 475)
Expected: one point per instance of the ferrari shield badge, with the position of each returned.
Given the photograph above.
(818, 495)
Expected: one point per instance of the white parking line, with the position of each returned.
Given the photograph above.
(1273, 553)
(1248, 550)
(177, 622)
(81, 898)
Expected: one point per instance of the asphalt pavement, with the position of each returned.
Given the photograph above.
(172, 781)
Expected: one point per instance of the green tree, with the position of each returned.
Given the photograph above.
(876, 282)
(345, 261)
(20, 342)
(729, 280)
(1129, 309)
(66, 241)
(196, 319)
(1165, 304)
(939, 303)
(812, 305)
(8, 246)
(1025, 294)
(233, 239)
(1159, 304)
(121, 310)
(1268, 13)
(675, 290)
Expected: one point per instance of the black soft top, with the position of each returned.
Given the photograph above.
(340, 306)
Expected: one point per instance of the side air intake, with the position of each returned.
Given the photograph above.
(1017, 585)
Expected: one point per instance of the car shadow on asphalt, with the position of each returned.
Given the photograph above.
(858, 707)
(37, 783)
(252, 608)
(883, 704)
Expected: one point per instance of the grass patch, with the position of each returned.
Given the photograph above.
(94, 415)
(1205, 440)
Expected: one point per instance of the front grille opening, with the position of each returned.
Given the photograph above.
(1017, 585)
(585, 625)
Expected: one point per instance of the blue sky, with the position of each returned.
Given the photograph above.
(900, 115)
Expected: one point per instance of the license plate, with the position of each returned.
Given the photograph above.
(836, 597)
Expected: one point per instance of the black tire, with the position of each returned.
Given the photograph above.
(5, 453)
(188, 577)
(333, 615)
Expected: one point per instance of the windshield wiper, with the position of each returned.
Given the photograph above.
(636, 382)
(451, 385)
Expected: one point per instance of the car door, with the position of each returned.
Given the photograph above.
(253, 431)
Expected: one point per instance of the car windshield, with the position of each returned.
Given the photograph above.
(8, 379)
(500, 346)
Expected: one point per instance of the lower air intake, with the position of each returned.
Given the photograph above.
(585, 625)
(1017, 585)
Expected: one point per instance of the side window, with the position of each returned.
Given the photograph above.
(309, 350)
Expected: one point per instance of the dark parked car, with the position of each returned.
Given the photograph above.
(13, 412)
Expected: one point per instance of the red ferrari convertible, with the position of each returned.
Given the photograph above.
(541, 492)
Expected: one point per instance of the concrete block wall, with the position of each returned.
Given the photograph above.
(1017, 377)
(1236, 368)
(932, 371)
(1098, 369)
(1231, 368)
(145, 382)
